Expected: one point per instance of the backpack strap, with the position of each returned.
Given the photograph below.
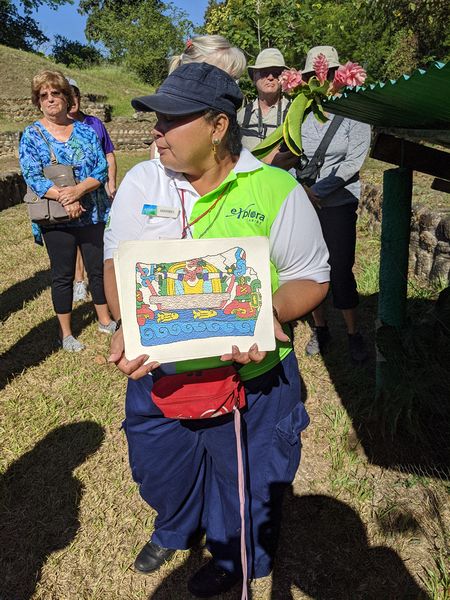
(286, 109)
(259, 130)
(319, 155)
(53, 158)
(248, 130)
(247, 115)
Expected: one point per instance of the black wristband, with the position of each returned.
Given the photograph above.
(118, 324)
(275, 313)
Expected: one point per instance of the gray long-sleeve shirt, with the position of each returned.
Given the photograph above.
(338, 182)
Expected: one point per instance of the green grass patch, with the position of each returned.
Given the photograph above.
(126, 160)
(17, 69)
(437, 578)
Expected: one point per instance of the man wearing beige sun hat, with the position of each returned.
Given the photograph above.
(260, 118)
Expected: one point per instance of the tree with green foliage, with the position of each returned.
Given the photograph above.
(22, 31)
(140, 34)
(257, 24)
(388, 37)
(75, 54)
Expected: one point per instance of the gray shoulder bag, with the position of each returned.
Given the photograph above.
(44, 211)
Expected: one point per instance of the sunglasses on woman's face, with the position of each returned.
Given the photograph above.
(52, 93)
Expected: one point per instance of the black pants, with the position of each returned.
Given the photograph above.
(339, 231)
(62, 246)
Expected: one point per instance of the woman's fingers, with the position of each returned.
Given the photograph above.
(243, 358)
(75, 210)
(68, 195)
(255, 355)
(134, 369)
(279, 333)
(117, 346)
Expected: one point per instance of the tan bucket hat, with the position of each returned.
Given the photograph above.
(269, 57)
(330, 54)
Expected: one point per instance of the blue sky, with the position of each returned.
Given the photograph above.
(67, 22)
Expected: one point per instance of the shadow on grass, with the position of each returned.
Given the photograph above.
(174, 586)
(324, 552)
(13, 299)
(38, 343)
(39, 505)
(407, 426)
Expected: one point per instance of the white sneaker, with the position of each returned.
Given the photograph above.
(79, 291)
(71, 344)
(108, 329)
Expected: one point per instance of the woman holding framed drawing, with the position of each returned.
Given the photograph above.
(205, 186)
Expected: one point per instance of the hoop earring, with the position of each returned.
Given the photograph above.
(215, 144)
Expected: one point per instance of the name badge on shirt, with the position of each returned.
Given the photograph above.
(158, 210)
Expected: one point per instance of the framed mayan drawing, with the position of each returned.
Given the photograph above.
(185, 299)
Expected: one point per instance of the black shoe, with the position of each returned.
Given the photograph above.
(357, 348)
(211, 580)
(151, 557)
(320, 336)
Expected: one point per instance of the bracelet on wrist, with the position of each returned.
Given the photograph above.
(118, 324)
(275, 313)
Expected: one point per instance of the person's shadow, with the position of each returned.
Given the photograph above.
(324, 552)
(38, 343)
(405, 424)
(39, 505)
(14, 298)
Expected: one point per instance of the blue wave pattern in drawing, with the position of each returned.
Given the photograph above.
(181, 330)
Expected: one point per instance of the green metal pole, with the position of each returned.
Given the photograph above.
(395, 234)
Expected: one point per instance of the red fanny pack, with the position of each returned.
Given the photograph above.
(199, 394)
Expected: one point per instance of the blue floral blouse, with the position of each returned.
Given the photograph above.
(83, 151)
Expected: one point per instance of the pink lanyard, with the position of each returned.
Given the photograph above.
(186, 224)
(241, 486)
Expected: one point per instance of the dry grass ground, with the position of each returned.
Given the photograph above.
(360, 524)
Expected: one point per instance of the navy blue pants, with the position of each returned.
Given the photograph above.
(187, 470)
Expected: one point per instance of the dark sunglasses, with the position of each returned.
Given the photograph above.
(274, 71)
(52, 93)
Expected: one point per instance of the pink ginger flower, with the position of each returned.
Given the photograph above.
(290, 79)
(320, 66)
(350, 74)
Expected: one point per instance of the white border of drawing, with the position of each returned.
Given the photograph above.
(129, 253)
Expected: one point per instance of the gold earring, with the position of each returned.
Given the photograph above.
(215, 144)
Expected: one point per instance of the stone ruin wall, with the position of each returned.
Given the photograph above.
(9, 144)
(22, 110)
(131, 134)
(127, 134)
(12, 188)
(429, 249)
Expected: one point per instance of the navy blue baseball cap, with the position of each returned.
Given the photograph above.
(192, 88)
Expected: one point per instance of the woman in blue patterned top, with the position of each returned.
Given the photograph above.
(86, 202)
